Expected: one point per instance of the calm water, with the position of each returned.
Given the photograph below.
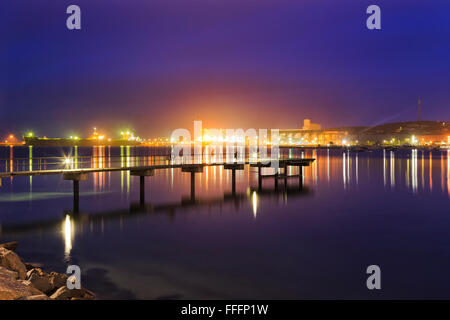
(355, 209)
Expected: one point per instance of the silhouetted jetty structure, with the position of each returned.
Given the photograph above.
(168, 209)
(77, 175)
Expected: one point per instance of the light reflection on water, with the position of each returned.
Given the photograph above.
(278, 240)
(68, 233)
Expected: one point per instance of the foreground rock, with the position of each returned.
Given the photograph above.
(11, 288)
(10, 260)
(17, 283)
(75, 294)
(10, 245)
(40, 280)
(36, 297)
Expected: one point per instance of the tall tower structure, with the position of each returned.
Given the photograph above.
(419, 110)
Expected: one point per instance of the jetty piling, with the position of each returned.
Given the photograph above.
(233, 167)
(77, 175)
(76, 178)
(142, 173)
(193, 169)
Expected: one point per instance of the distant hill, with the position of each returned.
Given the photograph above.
(403, 128)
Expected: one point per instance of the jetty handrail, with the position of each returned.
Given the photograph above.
(81, 157)
(170, 165)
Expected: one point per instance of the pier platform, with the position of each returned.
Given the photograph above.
(77, 175)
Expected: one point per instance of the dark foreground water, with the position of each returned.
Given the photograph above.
(355, 210)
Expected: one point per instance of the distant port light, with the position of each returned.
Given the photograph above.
(67, 161)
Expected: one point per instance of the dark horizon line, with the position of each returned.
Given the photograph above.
(24, 134)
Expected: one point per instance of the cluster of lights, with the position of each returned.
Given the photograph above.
(11, 139)
(314, 141)
(220, 138)
(211, 138)
(129, 136)
(97, 136)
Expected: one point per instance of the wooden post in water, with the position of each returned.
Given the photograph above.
(193, 169)
(76, 196)
(142, 173)
(76, 178)
(233, 167)
(285, 177)
(259, 179)
(233, 181)
(300, 177)
(192, 186)
(142, 190)
(276, 178)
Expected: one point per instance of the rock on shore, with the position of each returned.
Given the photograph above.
(20, 281)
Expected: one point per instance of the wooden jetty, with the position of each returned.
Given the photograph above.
(77, 175)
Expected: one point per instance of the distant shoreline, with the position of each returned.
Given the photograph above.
(361, 147)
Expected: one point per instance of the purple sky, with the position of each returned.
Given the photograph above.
(156, 65)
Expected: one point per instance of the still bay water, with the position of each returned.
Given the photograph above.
(354, 210)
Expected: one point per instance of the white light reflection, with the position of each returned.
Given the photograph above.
(68, 232)
(448, 172)
(328, 165)
(431, 171)
(407, 173)
(344, 174)
(254, 203)
(348, 166)
(392, 167)
(414, 170)
(384, 167)
(423, 170)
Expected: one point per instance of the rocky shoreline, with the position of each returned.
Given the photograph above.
(24, 281)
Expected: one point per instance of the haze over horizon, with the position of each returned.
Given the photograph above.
(156, 66)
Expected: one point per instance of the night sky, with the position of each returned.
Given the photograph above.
(156, 65)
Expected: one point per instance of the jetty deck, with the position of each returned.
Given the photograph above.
(82, 174)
